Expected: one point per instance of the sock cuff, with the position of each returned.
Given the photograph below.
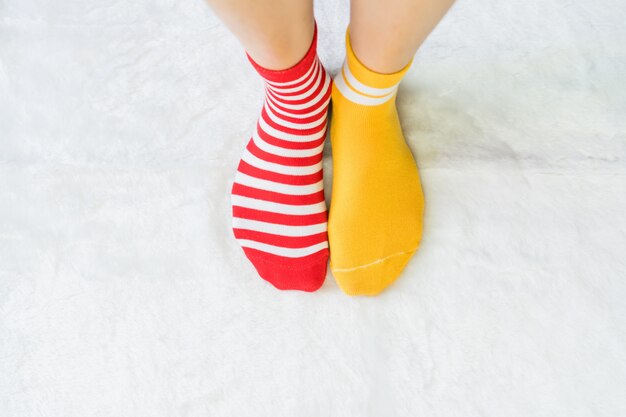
(292, 73)
(368, 77)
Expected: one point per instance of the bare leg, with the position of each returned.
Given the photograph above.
(275, 33)
(385, 34)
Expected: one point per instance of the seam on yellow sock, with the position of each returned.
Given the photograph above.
(374, 262)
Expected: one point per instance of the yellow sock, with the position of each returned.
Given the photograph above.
(377, 206)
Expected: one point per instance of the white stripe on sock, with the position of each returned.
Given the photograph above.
(264, 205)
(306, 105)
(278, 229)
(277, 187)
(357, 98)
(365, 89)
(290, 137)
(285, 152)
(302, 126)
(318, 79)
(253, 160)
(281, 90)
(286, 252)
(322, 108)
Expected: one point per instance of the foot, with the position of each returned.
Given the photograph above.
(279, 212)
(377, 206)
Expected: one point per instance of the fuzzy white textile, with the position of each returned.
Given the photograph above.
(123, 292)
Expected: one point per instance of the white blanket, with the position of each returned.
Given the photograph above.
(124, 293)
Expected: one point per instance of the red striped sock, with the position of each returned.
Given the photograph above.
(279, 213)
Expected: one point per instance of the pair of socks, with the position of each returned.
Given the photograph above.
(279, 214)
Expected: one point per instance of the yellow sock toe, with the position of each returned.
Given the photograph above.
(371, 279)
(377, 206)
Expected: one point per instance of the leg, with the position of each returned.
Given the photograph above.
(385, 34)
(275, 33)
(377, 207)
(279, 215)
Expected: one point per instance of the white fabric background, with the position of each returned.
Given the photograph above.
(123, 292)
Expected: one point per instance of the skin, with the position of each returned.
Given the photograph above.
(275, 33)
(385, 34)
